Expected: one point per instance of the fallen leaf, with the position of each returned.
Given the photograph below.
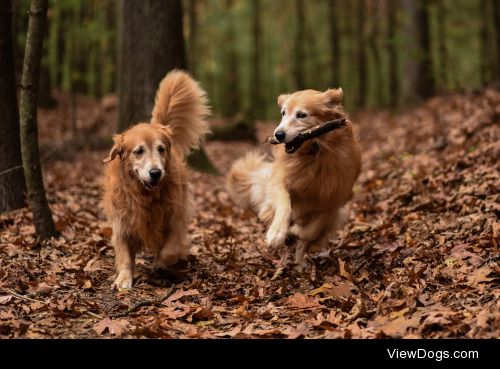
(301, 301)
(480, 275)
(5, 299)
(114, 327)
(342, 271)
(180, 294)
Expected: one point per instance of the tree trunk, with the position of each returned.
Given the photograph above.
(378, 72)
(426, 86)
(333, 6)
(151, 43)
(392, 23)
(410, 52)
(193, 35)
(362, 62)
(443, 50)
(12, 184)
(257, 104)
(299, 58)
(231, 104)
(42, 215)
(496, 24)
(45, 99)
(485, 64)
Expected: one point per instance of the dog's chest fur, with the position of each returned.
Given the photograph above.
(146, 216)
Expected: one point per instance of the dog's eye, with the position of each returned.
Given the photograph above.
(139, 151)
(161, 149)
(283, 113)
(301, 115)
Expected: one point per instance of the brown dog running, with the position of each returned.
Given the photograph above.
(146, 193)
(301, 193)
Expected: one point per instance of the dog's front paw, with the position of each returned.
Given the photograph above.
(276, 236)
(123, 281)
(296, 230)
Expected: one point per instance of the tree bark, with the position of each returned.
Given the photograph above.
(42, 215)
(443, 49)
(426, 85)
(362, 62)
(392, 23)
(496, 23)
(12, 184)
(151, 42)
(374, 36)
(484, 44)
(256, 108)
(333, 16)
(411, 52)
(231, 105)
(193, 35)
(299, 58)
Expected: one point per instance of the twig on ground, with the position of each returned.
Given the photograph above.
(22, 297)
(144, 303)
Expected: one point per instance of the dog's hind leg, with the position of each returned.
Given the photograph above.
(176, 246)
(313, 229)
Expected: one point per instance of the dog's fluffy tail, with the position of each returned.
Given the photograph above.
(246, 174)
(182, 105)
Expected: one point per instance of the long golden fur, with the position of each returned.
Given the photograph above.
(301, 194)
(146, 192)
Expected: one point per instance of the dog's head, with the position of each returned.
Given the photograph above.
(144, 151)
(306, 109)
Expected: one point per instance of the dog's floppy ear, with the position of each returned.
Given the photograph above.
(282, 98)
(117, 149)
(334, 95)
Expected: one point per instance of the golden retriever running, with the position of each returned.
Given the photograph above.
(146, 194)
(301, 194)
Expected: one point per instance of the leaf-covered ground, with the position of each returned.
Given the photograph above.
(418, 258)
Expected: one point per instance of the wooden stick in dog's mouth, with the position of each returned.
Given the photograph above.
(303, 136)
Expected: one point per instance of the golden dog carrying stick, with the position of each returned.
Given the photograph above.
(301, 191)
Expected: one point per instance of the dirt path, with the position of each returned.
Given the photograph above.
(419, 257)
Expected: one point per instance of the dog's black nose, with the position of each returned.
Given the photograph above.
(280, 136)
(155, 174)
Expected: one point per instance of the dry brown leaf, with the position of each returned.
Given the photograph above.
(114, 327)
(301, 301)
(5, 299)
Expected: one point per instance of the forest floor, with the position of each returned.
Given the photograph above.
(418, 257)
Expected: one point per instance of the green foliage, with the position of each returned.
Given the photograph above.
(82, 37)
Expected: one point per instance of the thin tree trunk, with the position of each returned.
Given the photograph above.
(484, 44)
(426, 85)
(410, 52)
(255, 86)
(12, 184)
(45, 99)
(193, 35)
(443, 49)
(377, 57)
(232, 99)
(299, 58)
(333, 16)
(362, 62)
(392, 21)
(495, 4)
(42, 215)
